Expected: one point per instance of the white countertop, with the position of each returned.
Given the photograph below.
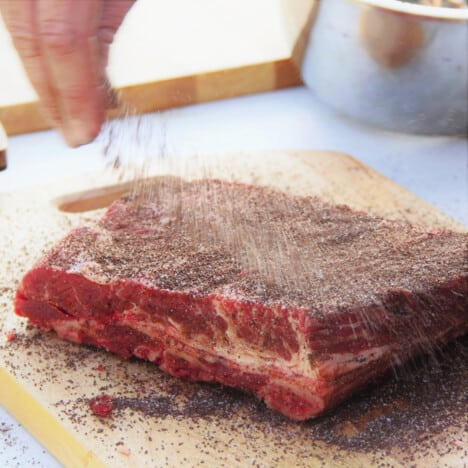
(434, 168)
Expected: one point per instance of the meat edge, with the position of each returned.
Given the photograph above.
(282, 387)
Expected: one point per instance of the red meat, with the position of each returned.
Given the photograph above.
(293, 299)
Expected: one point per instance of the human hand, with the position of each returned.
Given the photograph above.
(64, 47)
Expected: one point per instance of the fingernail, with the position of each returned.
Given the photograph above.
(77, 133)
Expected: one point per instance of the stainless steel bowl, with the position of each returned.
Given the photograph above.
(393, 64)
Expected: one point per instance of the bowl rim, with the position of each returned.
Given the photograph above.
(446, 13)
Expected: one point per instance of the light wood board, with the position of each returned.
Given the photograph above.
(170, 54)
(45, 383)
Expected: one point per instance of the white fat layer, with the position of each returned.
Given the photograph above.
(229, 347)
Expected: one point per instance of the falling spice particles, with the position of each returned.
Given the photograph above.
(426, 399)
(404, 414)
(284, 257)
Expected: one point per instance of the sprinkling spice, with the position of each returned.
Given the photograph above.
(435, 408)
(297, 300)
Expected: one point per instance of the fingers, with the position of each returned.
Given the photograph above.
(20, 18)
(64, 47)
(69, 44)
(113, 14)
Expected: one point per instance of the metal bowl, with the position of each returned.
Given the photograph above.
(393, 64)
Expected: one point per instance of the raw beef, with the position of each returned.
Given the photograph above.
(293, 299)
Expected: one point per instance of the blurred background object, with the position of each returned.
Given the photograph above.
(398, 65)
(3, 148)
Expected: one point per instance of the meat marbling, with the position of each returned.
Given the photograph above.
(293, 299)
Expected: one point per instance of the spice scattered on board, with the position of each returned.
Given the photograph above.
(123, 451)
(10, 336)
(102, 405)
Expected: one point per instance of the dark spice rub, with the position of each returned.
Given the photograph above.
(296, 300)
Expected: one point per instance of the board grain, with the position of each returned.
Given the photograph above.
(162, 421)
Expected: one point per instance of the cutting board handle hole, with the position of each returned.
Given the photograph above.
(90, 200)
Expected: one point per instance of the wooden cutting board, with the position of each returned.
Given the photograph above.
(162, 421)
(170, 54)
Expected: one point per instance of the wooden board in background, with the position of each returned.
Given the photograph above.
(170, 54)
(163, 421)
